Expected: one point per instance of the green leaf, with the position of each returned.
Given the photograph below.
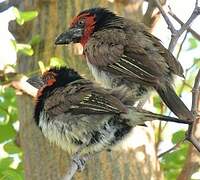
(5, 163)
(17, 15)
(196, 61)
(172, 163)
(28, 15)
(35, 40)
(20, 167)
(24, 16)
(11, 148)
(25, 49)
(6, 132)
(41, 66)
(55, 61)
(192, 43)
(11, 174)
(178, 136)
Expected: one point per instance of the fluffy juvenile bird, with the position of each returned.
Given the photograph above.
(122, 53)
(81, 117)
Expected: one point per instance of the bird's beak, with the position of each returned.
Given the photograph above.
(36, 81)
(72, 35)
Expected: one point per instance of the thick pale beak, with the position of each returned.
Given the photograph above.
(36, 81)
(72, 35)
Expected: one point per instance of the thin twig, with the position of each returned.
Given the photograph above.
(194, 33)
(169, 23)
(181, 45)
(185, 26)
(195, 93)
(171, 149)
(175, 34)
(195, 103)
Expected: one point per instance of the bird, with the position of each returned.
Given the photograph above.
(81, 117)
(121, 53)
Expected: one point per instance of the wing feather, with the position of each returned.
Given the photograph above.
(86, 99)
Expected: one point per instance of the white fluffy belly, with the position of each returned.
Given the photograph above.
(101, 77)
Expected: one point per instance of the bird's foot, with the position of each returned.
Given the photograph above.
(80, 162)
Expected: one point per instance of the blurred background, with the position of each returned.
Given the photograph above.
(27, 33)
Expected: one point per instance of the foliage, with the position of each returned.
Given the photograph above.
(22, 17)
(8, 117)
(173, 162)
(11, 163)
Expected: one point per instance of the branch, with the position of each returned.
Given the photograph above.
(8, 77)
(71, 172)
(171, 149)
(194, 33)
(181, 46)
(185, 26)
(148, 19)
(195, 93)
(195, 103)
(24, 86)
(175, 34)
(167, 20)
(78, 164)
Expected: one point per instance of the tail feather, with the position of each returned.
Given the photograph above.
(174, 103)
(140, 116)
(160, 117)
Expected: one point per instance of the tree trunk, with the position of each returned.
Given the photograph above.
(43, 161)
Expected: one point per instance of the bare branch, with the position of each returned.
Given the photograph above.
(24, 86)
(195, 93)
(171, 149)
(175, 34)
(194, 33)
(71, 172)
(185, 26)
(195, 103)
(169, 23)
(149, 19)
(181, 45)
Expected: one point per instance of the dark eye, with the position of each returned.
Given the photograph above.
(81, 22)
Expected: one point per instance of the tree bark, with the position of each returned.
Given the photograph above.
(44, 161)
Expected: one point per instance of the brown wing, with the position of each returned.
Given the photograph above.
(130, 54)
(81, 97)
(174, 65)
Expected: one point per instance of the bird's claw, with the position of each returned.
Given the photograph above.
(80, 162)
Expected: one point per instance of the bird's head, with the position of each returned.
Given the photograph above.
(85, 24)
(48, 82)
(54, 77)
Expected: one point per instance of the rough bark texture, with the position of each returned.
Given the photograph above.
(43, 161)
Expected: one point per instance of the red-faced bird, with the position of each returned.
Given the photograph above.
(81, 117)
(122, 54)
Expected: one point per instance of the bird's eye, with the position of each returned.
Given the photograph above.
(81, 22)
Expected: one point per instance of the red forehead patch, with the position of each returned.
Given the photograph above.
(77, 18)
(49, 78)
